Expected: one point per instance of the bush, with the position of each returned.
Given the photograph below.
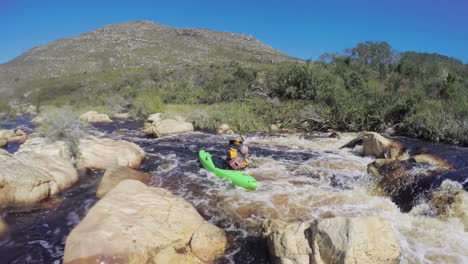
(146, 103)
(64, 124)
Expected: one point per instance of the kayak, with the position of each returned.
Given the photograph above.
(236, 177)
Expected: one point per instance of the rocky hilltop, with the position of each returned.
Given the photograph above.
(134, 45)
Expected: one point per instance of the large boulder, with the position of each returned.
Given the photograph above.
(381, 147)
(115, 174)
(102, 153)
(332, 240)
(138, 224)
(449, 200)
(167, 127)
(95, 117)
(29, 177)
(46, 147)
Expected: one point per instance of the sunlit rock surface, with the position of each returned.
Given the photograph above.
(167, 127)
(115, 174)
(138, 224)
(332, 240)
(224, 129)
(102, 153)
(381, 147)
(95, 117)
(29, 177)
(46, 147)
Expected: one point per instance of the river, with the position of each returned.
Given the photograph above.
(300, 179)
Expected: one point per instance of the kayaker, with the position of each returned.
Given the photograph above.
(238, 155)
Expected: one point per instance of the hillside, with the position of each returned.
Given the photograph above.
(134, 45)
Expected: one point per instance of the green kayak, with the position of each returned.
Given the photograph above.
(236, 177)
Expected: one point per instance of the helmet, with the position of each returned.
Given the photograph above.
(236, 163)
(244, 149)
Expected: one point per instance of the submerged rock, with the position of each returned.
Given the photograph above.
(95, 117)
(332, 240)
(102, 153)
(450, 200)
(115, 174)
(138, 224)
(29, 177)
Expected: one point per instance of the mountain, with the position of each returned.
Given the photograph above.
(134, 45)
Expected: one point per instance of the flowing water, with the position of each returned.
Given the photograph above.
(300, 179)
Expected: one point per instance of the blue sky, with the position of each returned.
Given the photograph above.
(299, 28)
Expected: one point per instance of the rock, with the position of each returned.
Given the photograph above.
(138, 224)
(450, 200)
(353, 143)
(4, 154)
(170, 126)
(46, 147)
(95, 117)
(332, 240)
(180, 119)
(154, 118)
(19, 139)
(102, 153)
(148, 128)
(354, 240)
(3, 228)
(3, 142)
(432, 159)
(224, 129)
(274, 128)
(287, 243)
(37, 120)
(20, 132)
(29, 177)
(116, 174)
(122, 115)
(381, 147)
(31, 109)
(6, 133)
(334, 135)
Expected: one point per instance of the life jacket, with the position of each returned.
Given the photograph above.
(238, 149)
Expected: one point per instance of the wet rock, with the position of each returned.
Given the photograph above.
(95, 117)
(356, 141)
(154, 118)
(169, 126)
(450, 200)
(46, 147)
(3, 142)
(29, 177)
(334, 135)
(376, 145)
(102, 153)
(432, 159)
(332, 240)
(138, 224)
(224, 129)
(115, 174)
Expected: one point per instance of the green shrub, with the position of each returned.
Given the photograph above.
(146, 103)
(64, 124)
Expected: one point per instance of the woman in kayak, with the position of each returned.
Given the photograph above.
(238, 155)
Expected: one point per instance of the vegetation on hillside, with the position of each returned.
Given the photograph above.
(368, 87)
